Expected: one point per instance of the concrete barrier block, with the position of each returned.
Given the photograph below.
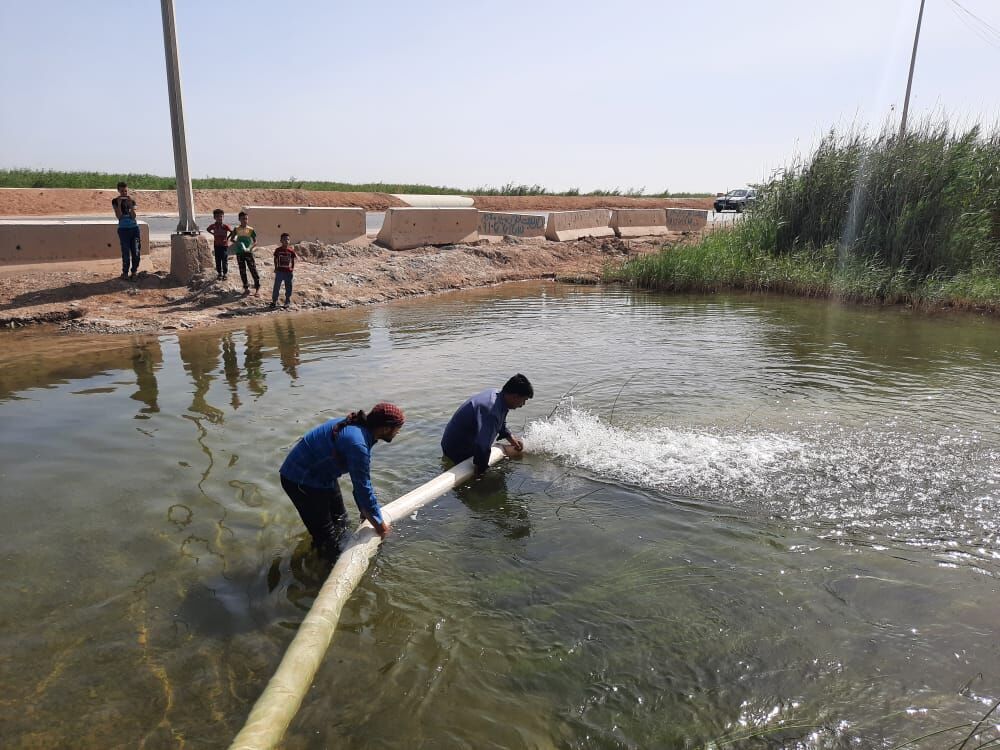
(406, 228)
(333, 226)
(686, 219)
(498, 224)
(572, 225)
(46, 241)
(639, 222)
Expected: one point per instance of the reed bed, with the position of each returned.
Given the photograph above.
(865, 218)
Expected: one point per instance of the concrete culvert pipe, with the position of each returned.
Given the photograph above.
(278, 704)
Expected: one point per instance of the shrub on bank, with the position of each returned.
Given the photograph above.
(889, 219)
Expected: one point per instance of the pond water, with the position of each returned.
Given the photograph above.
(744, 522)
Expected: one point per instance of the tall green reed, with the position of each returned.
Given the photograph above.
(874, 218)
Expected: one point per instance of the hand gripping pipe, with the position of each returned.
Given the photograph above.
(277, 705)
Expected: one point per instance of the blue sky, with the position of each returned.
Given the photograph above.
(637, 93)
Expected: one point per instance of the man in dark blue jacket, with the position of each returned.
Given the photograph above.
(340, 446)
(481, 420)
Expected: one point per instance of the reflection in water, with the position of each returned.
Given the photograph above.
(200, 355)
(201, 360)
(231, 369)
(489, 499)
(309, 571)
(146, 359)
(819, 567)
(252, 359)
(288, 346)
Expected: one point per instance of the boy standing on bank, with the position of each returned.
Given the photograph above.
(128, 231)
(220, 232)
(284, 265)
(246, 238)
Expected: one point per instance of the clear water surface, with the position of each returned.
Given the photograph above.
(752, 522)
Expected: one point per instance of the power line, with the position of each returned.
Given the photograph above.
(983, 29)
(985, 23)
(975, 30)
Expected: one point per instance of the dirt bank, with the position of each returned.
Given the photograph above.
(68, 201)
(89, 296)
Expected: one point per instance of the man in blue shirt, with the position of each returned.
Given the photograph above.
(481, 420)
(128, 231)
(310, 472)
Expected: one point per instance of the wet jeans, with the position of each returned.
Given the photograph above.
(323, 513)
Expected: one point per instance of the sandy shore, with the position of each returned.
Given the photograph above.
(89, 296)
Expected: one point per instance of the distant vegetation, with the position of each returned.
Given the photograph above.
(32, 178)
(866, 218)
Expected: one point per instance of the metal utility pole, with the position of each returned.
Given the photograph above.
(909, 80)
(185, 196)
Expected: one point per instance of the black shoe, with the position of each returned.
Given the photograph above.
(124, 276)
(273, 305)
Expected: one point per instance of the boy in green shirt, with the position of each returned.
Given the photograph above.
(246, 239)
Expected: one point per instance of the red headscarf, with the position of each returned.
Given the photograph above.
(386, 415)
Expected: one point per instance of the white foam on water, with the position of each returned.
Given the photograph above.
(664, 458)
(940, 491)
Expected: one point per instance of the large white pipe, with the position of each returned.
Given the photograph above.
(280, 701)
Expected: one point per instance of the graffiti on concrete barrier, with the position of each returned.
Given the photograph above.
(686, 219)
(513, 225)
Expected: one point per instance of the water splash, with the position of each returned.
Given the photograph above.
(940, 492)
(663, 458)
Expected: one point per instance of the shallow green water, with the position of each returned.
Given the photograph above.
(757, 517)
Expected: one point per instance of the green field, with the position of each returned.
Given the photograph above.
(33, 178)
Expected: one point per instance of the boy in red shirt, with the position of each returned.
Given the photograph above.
(220, 232)
(284, 264)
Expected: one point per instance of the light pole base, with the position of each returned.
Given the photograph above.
(189, 256)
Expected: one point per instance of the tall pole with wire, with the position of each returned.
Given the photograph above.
(189, 252)
(185, 196)
(909, 80)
